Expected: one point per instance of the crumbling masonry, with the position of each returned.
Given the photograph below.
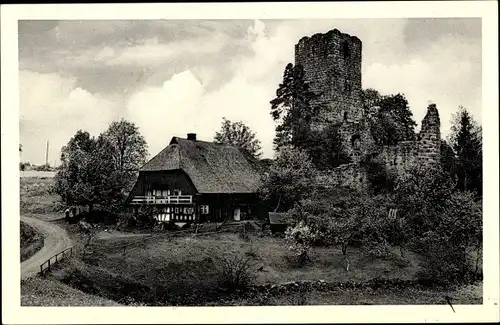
(332, 66)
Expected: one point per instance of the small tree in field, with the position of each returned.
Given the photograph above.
(239, 135)
(300, 238)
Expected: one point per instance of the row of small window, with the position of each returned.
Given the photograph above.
(164, 193)
(186, 210)
(167, 217)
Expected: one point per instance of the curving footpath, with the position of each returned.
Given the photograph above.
(55, 240)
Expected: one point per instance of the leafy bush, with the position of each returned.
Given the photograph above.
(447, 247)
(381, 180)
(31, 241)
(421, 196)
(300, 238)
(236, 272)
(24, 165)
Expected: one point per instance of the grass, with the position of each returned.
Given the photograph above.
(268, 252)
(31, 241)
(37, 198)
(471, 294)
(184, 270)
(49, 292)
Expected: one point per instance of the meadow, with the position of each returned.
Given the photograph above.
(183, 268)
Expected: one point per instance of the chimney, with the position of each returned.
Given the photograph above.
(191, 136)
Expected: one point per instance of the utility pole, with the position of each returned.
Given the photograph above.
(47, 154)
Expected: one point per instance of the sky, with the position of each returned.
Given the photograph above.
(173, 77)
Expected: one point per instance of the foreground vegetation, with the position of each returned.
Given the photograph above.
(48, 292)
(31, 241)
(188, 269)
(201, 270)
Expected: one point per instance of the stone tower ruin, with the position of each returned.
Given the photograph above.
(332, 67)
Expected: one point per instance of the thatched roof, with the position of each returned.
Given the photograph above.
(213, 168)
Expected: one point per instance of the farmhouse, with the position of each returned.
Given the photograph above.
(199, 181)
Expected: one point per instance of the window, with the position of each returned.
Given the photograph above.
(204, 209)
(345, 50)
(177, 192)
(176, 209)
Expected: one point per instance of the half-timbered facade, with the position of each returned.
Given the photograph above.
(199, 181)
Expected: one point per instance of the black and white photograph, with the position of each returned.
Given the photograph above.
(262, 161)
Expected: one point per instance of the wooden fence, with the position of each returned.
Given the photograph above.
(45, 266)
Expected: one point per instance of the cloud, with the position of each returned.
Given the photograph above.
(448, 72)
(185, 79)
(53, 108)
(153, 51)
(161, 112)
(256, 74)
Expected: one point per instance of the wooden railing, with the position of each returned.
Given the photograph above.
(45, 266)
(177, 199)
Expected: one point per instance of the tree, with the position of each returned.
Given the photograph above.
(300, 237)
(239, 135)
(289, 179)
(420, 196)
(380, 178)
(291, 107)
(73, 182)
(324, 147)
(128, 147)
(98, 171)
(447, 159)
(390, 118)
(466, 141)
(448, 246)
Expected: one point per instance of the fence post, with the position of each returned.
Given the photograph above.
(56, 258)
(41, 269)
(49, 264)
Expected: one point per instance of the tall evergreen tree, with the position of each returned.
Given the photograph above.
(466, 141)
(292, 108)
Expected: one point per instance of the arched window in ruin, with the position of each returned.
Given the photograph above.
(356, 141)
(345, 50)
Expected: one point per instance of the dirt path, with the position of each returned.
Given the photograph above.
(56, 239)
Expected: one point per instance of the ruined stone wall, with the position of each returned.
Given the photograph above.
(423, 151)
(348, 175)
(332, 66)
(399, 157)
(357, 140)
(429, 138)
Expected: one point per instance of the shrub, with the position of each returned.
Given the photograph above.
(300, 238)
(380, 179)
(447, 247)
(236, 272)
